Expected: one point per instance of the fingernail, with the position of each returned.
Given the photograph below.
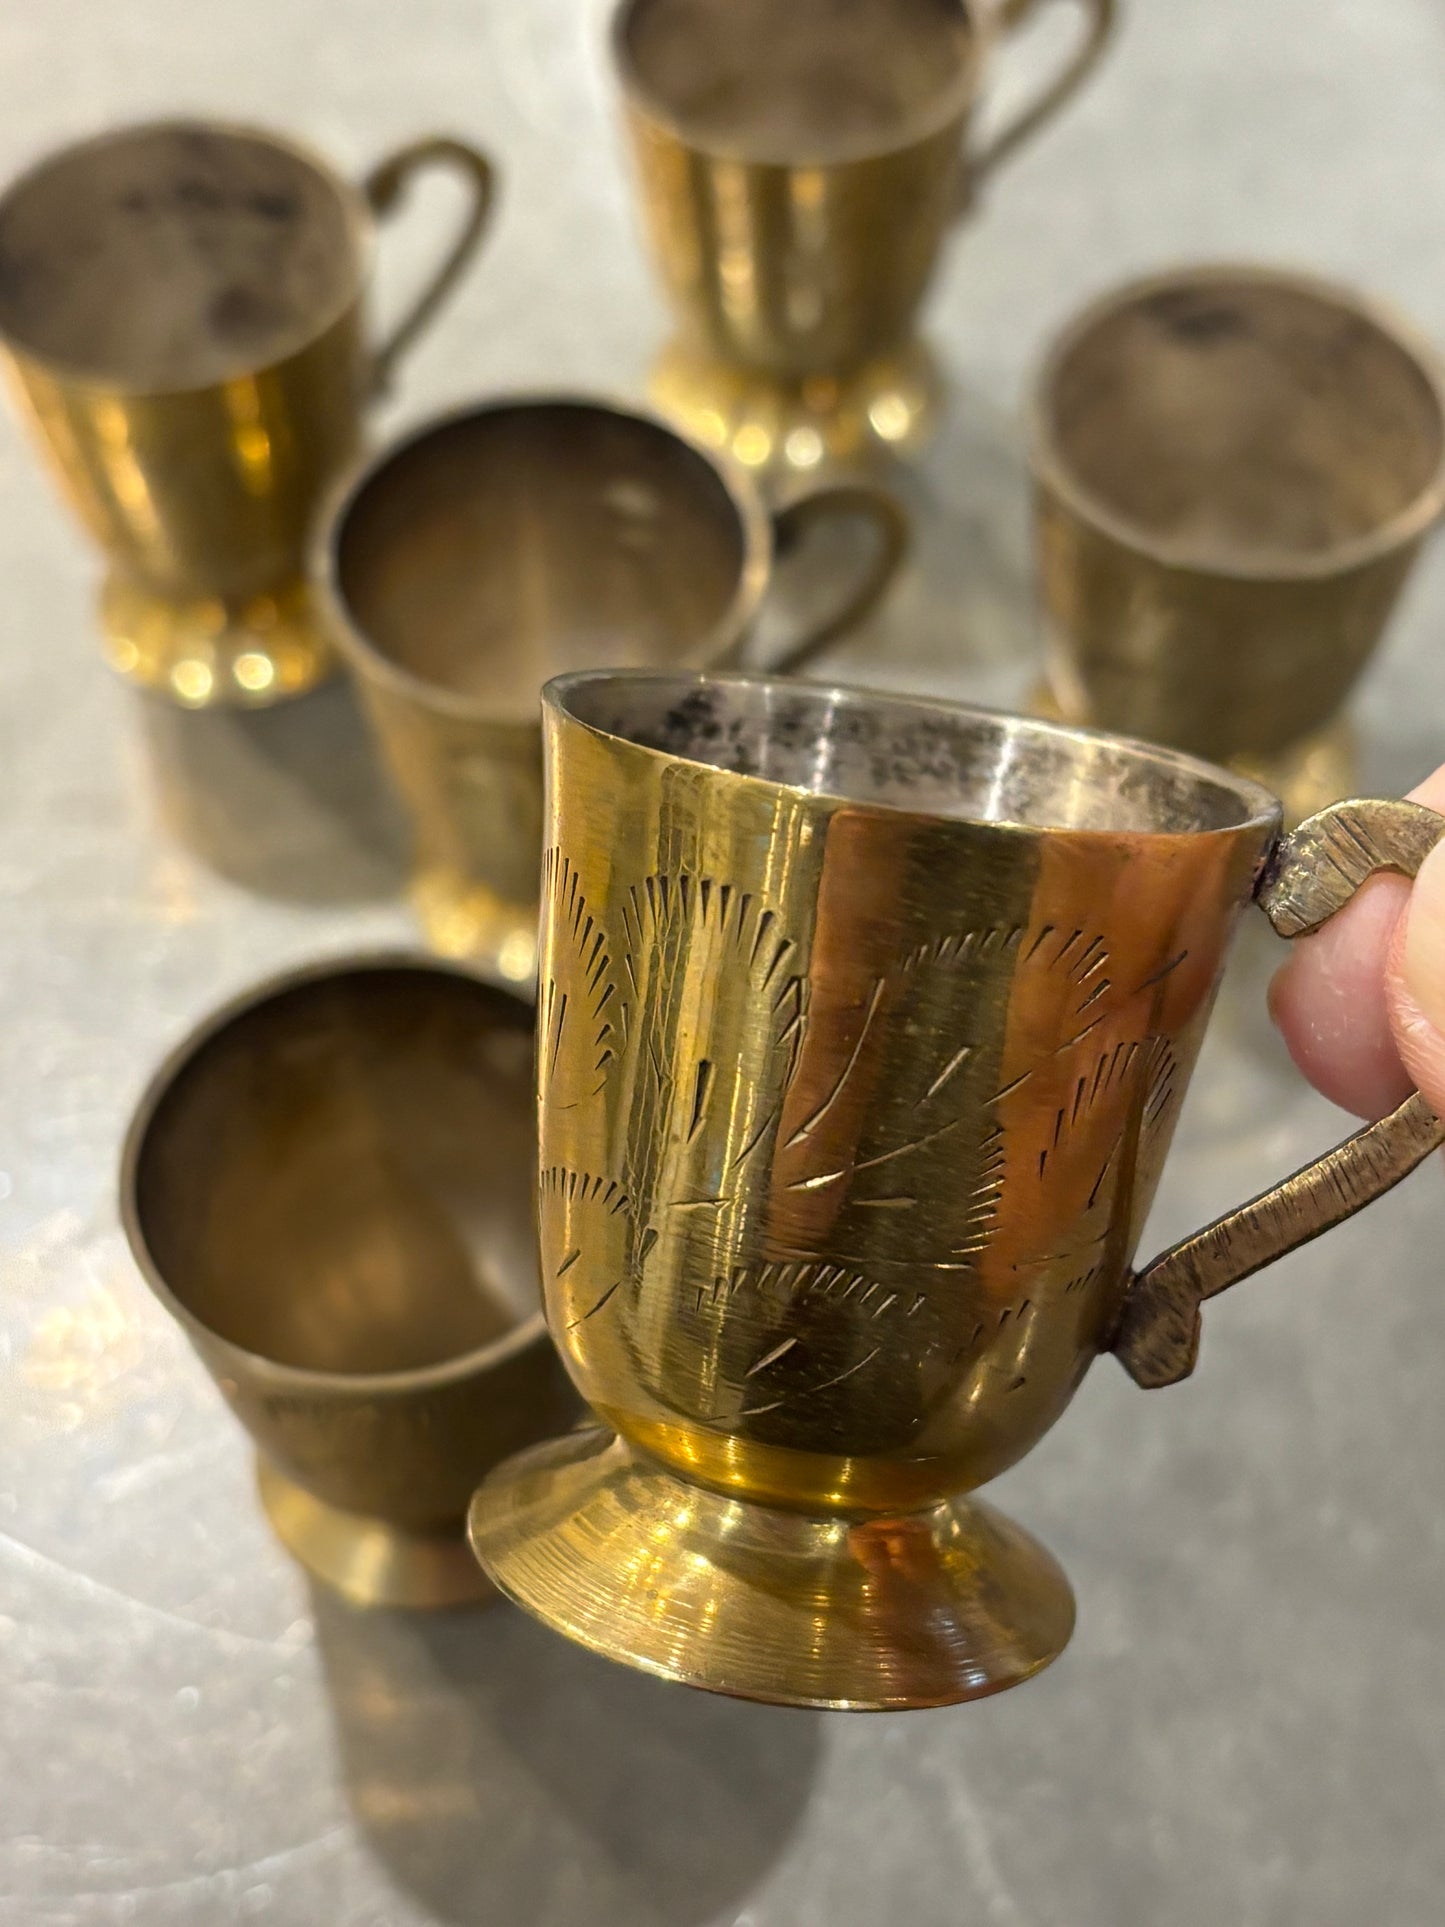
(1422, 962)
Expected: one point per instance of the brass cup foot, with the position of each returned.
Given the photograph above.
(621, 1555)
(209, 652)
(462, 919)
(1310, 774)
(365, 1560)
(890, 406)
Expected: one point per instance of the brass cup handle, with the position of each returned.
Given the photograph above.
(1099, 23)
(790, 525)
(385, 187)
(1311, 874)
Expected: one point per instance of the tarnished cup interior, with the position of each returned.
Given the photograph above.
(815, 81)
(1243, 419)
(340, 1176)
(972, 765)
(173, 256)
(507, 545)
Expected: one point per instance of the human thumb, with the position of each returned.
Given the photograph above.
(1415, 981)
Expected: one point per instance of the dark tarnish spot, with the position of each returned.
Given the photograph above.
(922, 754)
(198, 196)
(1188, 318)
(693, 720)
(135, 200)
(238, 311)
(16, 276)
(274, 204)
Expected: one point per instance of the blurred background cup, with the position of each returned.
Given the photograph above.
(800, 168)
(330, 1185)
(1234, 468)
(497, 547)
(182, 309)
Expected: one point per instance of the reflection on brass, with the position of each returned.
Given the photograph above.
(800, 168)
(502, 545)
(329, 1184)
(863, 1027)
(182, 309)
(1234, 468)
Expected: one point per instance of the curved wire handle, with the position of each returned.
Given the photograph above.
(1101, 16)
(384, 187)
(1313, 873)
(792, 522)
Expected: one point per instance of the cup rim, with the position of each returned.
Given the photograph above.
(1259, 807)
(418, 1378)
(372, 664)
(1052, 470)
(355, 210)
(952, 105)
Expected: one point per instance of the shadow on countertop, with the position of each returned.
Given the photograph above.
(289, 802)
(504, 1775)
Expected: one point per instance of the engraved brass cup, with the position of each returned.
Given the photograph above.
(492, 549)
(1234, 469)
(863, 1026)
(181, 306)
(800, 168)
(330, 1186)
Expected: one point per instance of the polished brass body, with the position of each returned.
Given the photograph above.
(1234, 469)
(863, 1027)
(492, 549)
(800, 168)
(329, 1185)
(181, 305)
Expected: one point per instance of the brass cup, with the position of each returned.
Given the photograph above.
(863, 1026)
(800, 169)
(181, 307)
(496, 547)
(329, 1185)
(1234, 469)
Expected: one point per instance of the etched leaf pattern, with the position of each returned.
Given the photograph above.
(884, 1193)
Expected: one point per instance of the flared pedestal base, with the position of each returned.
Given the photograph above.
(212, 652)
(1316, 771)
(623, 1556)
(366, 1560)
(462, 919)
(803, 428)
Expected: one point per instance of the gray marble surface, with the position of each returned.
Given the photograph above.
(1249, 1728)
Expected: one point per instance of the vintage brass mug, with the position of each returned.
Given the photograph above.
(800, 168)
(863, 1025)
(1233, 470)
(492, 549)
(329, 1185)
(181, 305)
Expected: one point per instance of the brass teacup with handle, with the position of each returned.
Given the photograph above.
(492, 549)
(1234, 469)
(181, 307)
(863, 1027)
(801, 167)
